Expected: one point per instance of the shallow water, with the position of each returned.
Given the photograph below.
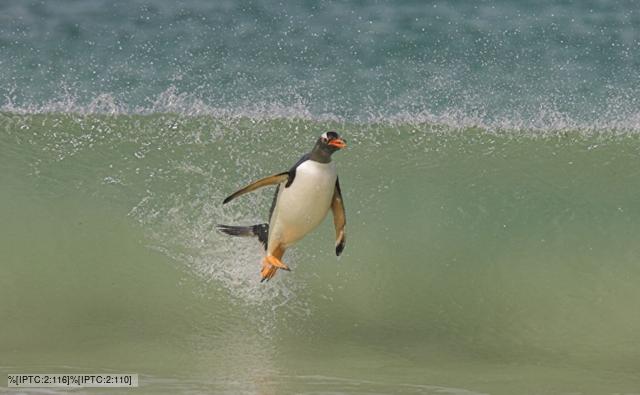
(476, 261)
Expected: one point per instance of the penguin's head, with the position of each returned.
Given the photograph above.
(331, 142)
(327, 144)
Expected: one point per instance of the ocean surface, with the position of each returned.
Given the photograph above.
(491, 184)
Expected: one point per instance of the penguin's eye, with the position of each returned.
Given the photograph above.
(325, 140)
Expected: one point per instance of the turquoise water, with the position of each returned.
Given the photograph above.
(571, 61)
(490, 184)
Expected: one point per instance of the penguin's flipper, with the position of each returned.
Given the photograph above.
(339, 218)
(263, 182)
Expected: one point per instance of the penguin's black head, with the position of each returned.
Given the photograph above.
(326, 145)
(331, 142)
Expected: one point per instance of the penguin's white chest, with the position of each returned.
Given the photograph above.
(302, 206)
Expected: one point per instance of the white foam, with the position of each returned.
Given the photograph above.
(619, 114)
(183, 228)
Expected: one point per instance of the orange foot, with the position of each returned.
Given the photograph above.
(270, 266)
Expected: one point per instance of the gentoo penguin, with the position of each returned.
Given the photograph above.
(303, 197)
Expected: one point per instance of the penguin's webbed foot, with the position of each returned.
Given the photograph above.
(270, 266)
(276, 262)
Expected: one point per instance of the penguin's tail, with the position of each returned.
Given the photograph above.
(261, 231)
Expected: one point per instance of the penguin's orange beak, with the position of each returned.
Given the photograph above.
(338, 143)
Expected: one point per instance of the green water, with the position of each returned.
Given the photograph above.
(477, 262)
